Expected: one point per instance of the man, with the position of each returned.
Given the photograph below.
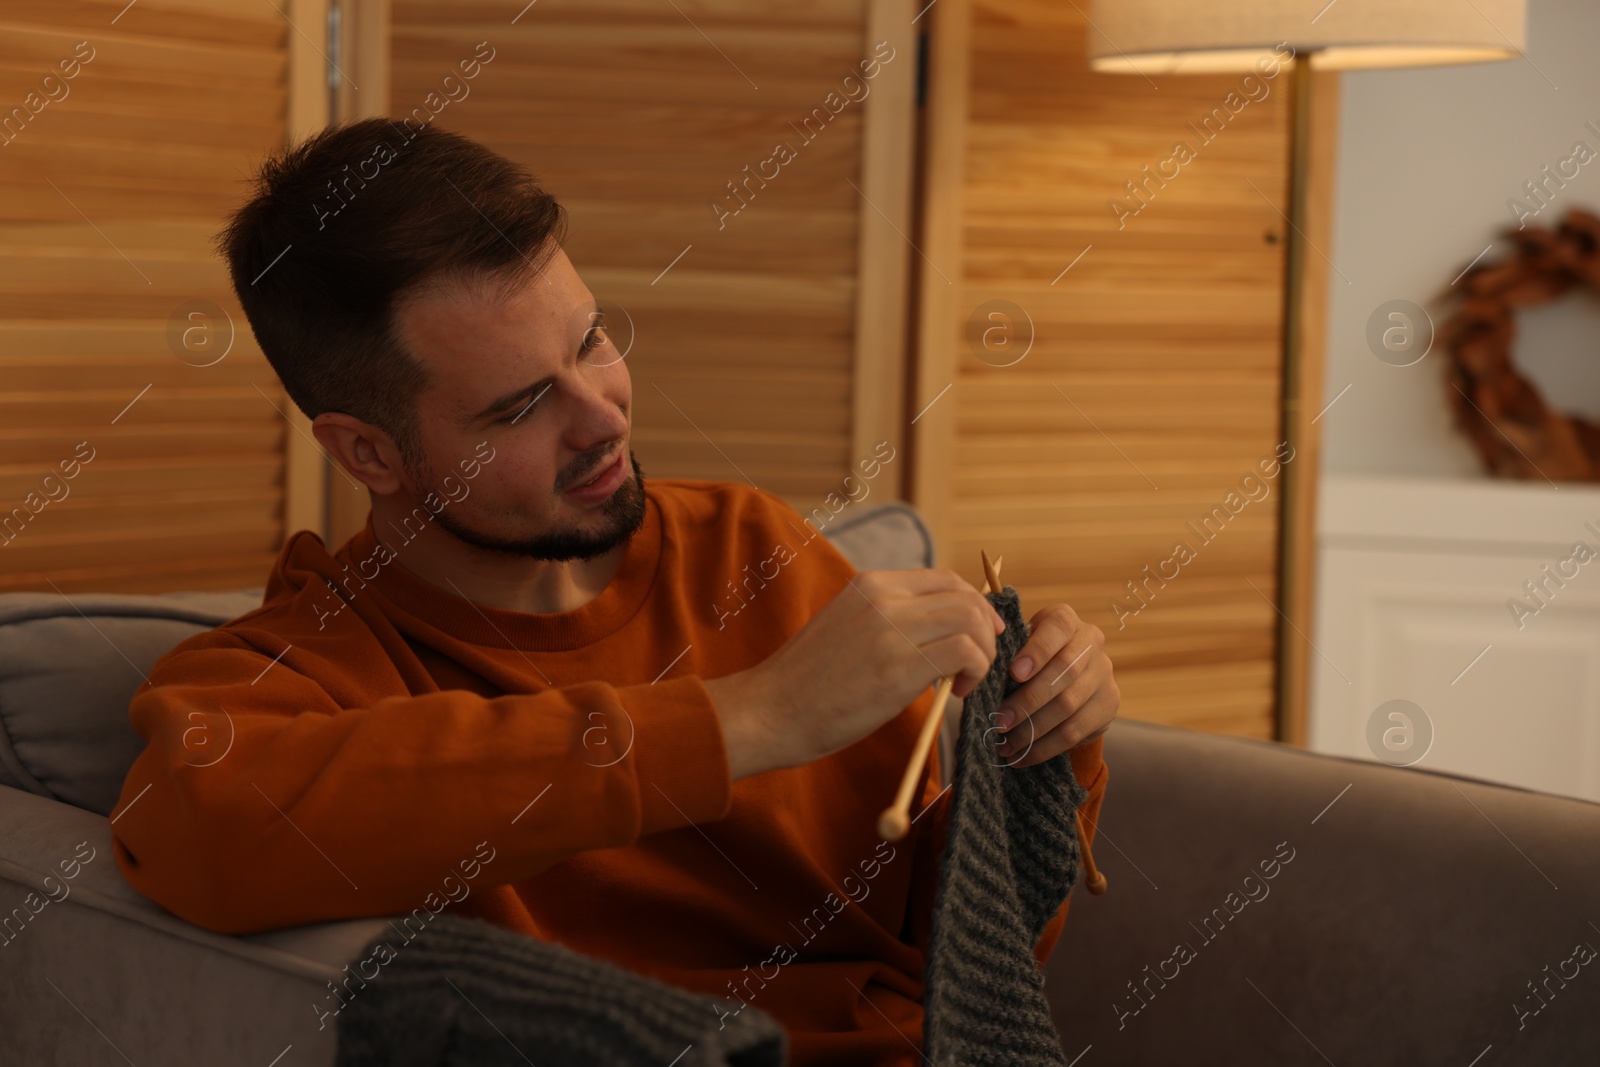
(655, 723)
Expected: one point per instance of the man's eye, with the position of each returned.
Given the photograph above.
(515, 415)
(523, 410)
(594, 338)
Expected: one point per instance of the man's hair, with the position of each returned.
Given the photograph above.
(354, 219)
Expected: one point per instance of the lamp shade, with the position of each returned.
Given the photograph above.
(1188, 37)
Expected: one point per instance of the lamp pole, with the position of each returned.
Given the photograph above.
(1293, 583)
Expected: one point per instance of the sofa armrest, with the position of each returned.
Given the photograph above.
(88, 961)
(1405, 928)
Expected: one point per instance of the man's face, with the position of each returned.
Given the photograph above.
(536, 379)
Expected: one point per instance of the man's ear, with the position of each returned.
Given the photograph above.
(361, 448)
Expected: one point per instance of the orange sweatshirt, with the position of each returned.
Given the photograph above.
(368, 744)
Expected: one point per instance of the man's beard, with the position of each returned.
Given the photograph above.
(623, 511)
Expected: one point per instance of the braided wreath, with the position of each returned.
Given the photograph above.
(1501, 411)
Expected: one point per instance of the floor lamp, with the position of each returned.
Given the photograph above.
(1154, 37)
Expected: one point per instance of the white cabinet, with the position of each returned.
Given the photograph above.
(1415, 582)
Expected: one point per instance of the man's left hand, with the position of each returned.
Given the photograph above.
(1068, 695)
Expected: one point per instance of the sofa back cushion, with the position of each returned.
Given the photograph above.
(69, 665)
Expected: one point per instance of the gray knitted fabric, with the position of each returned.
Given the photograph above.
(517, 1000)
(1010, 860)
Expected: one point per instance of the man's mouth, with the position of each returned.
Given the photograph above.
(597, 474)
(607, 478)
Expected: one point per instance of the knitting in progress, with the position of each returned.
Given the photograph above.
(1011, 858)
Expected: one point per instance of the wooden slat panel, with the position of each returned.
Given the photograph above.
(224, 22)
(91, 519)
(1228, 698)
(1163, 338)
(210, 573)
(157, 549)
(109, 197)
(167, 474)
(133, 137)
(129, 441)
(124, 376)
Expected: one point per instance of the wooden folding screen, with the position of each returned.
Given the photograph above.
(1153, 310)
(145, 445)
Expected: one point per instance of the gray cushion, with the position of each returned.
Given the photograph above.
(70, 665)
(890, 536)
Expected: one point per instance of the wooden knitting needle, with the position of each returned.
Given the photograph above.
(991, 571)
(1095, 881)
(895, 822)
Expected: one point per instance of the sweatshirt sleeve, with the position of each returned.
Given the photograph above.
(260, 801)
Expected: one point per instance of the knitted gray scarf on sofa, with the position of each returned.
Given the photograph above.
(467, 993)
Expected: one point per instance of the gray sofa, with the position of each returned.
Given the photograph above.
(1404, 916)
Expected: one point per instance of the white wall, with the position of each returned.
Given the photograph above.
(1427, 160)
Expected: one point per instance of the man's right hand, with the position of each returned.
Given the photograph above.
(857, 664)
